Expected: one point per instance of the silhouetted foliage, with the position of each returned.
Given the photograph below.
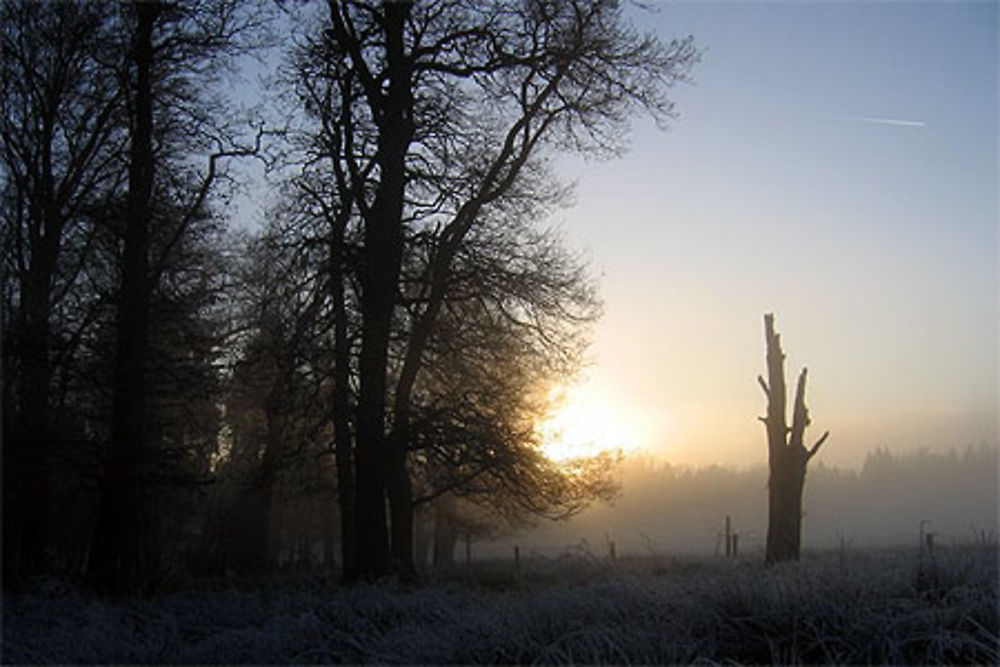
(61, 133)
(436, 119)
(111, 274)
(390, 338)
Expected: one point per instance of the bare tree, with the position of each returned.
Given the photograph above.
(787, 454)
(117, 558)
(277, 401)
(174, 53)
(449, 109)
(472, 432)
(107, 237)
(59, 115)
(513, 324)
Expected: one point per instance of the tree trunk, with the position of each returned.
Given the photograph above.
(370, 515)
(117, 560)
(445, 534)
(261, 540)
(29, 452)
(787, 455)
(342, 444)
(329, 537)
(382, 259)
(30, 449)
(244, 541)
(400, 494)
(11, 513)
(421, 539)
(785, 511)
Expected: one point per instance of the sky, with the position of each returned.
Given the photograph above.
(835, 164)
(832, 163)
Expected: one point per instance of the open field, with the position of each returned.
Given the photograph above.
(890, 606)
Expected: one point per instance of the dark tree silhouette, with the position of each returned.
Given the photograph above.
(787, 454)
(59, 114)
(116, 560)
(172, 55)
(418, 312)
(448, 108)
(277, 402)
(473, 410)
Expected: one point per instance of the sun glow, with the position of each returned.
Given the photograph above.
(582, 423)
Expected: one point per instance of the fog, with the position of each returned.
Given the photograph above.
(665, 509)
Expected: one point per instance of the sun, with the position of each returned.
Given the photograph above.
(581, 423)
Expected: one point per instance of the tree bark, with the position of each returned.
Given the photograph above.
(785, 512)
(11, 513)
(787, 455)
(117, 558)
(400, 492)
(30, 455)
(375, 468)
(342, 441)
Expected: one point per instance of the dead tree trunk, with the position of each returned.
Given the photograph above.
(787, 455)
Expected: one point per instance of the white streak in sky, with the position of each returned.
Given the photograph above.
(898, 122)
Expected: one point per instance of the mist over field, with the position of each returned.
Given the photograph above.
(670, 510)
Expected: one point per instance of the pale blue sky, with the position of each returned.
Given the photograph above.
(875, 243)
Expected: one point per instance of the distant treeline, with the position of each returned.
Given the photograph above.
(668, 508)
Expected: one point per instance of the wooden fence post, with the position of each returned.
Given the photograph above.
(729, 538)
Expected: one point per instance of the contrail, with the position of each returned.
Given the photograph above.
(899, 122)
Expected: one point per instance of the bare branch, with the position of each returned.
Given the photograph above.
(819, 443)
(202, 194)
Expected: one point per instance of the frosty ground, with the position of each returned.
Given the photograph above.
(887, 606)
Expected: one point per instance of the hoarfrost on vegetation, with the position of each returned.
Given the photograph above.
(864, 607)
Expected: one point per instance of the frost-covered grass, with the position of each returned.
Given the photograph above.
(867, 607)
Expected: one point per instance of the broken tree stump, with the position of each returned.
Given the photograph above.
(787, 454)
